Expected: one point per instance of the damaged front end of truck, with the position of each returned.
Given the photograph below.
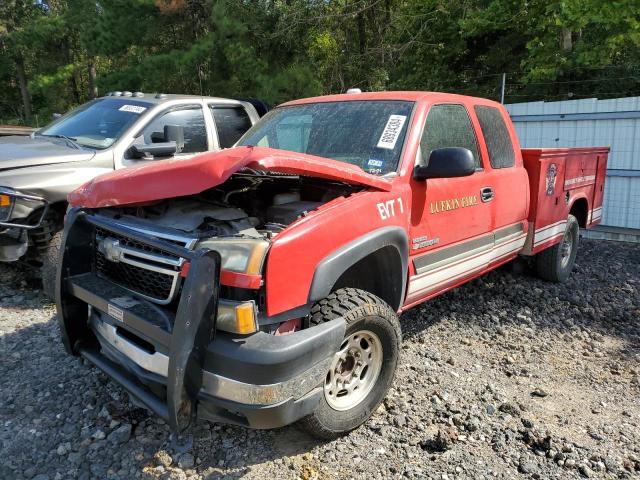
(161, 284)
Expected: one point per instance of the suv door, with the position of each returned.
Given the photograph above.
(451, 225)
(190, 118)
(231, 122)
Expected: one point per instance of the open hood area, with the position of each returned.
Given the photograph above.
(177, 178)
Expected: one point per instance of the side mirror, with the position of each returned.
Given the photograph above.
(446, 162)
(164, 149)
(174, 133)
(170, 133)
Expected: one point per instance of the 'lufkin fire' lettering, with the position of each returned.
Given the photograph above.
(453, 204)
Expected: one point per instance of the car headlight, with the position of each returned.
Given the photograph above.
(6, 205)
(240, 255)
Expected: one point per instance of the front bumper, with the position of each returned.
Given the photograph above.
(22, 206)
(177, 364)
(13, 244)
(13, 229)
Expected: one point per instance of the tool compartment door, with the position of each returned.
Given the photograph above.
(595, 214)
(580, 168)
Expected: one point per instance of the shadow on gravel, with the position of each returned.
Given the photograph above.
(602, 295)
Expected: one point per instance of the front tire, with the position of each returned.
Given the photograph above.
(50, 257)
(364, 367)
(555, 263)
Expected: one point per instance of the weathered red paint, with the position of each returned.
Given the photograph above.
(579, 177)
(521, 203)
(176, 178)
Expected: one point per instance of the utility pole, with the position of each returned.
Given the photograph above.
(504, 81)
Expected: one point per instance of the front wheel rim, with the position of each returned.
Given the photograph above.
(354, 370)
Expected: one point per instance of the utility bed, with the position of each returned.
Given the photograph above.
(562, 177)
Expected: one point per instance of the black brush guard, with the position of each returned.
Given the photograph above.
(193, 327)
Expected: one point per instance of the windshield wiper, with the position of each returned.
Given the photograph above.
(70, 140)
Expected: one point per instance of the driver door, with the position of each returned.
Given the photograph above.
(451, 225)
(190, 118)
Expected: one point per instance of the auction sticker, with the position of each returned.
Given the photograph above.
(391, 132)
(132, 108)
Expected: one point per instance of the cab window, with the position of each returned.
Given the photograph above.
(190, 118)
(448, 126)
(496, 135)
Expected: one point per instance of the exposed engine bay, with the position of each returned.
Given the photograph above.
(247, 205)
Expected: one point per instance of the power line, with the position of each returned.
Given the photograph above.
(595, 80)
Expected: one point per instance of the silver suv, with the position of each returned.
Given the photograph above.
(119, 130)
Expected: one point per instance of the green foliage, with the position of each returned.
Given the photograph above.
(282, 49)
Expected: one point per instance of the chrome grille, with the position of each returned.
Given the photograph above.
(139, 267)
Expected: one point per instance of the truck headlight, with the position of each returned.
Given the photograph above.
(6, 205)
(240, 255)
(237, 317)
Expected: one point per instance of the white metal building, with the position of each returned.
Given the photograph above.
(593, 122)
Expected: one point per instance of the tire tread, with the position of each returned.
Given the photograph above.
(348, 303)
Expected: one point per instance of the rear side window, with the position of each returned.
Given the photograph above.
(231, 123)
(496, 135)
(448, 126)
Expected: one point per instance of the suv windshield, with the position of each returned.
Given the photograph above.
(366, 133)
(97, 124)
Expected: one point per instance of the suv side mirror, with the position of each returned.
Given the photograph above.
(446, 162)
(174, 133)
(164, 149)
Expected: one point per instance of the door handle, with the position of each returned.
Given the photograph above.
(486, 194)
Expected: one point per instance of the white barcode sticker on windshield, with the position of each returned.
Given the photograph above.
(391, 132)
(132, 108)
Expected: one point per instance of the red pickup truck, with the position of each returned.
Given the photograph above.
(261, 285)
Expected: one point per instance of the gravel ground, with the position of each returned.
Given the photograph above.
(506, 377)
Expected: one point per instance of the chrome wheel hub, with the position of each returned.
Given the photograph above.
(354, 370)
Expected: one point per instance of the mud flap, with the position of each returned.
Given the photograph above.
(193, 330)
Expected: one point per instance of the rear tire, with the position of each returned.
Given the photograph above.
(363, 370)
(50, 257)
(555, 263)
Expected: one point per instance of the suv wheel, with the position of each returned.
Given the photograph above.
(363, 368)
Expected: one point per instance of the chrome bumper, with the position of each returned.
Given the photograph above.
(213, 384)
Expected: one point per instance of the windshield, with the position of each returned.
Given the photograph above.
(98, 124)
(366, 133)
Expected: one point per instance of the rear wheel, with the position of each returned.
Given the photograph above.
(362, 370)
(555, 263)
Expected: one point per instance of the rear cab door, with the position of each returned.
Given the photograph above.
(450, 229)
(507, 179)
(230, 122)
